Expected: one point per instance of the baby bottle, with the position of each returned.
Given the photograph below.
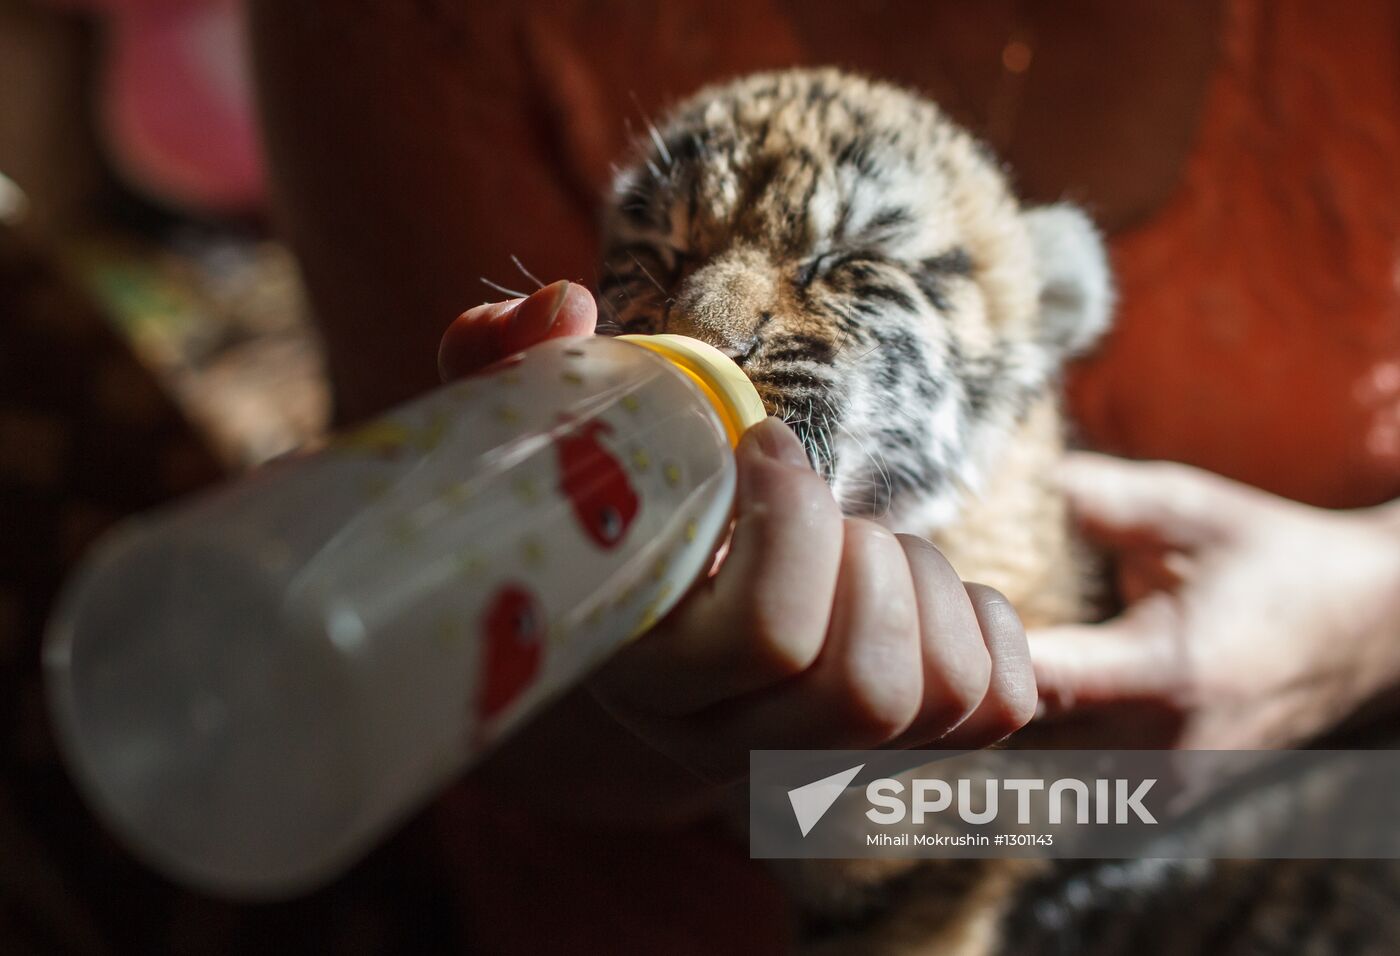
(253, 686)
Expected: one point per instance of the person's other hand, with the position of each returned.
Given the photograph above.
(1251, 621)
(817, 631)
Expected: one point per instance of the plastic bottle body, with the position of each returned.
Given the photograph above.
(254, 686)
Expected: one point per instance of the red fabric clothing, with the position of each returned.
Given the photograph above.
(1259, 329)
(528, 885)
(1258, 336)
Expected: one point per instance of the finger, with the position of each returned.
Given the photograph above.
(473, 340)
(490, 332)
(560, 309)
(1011, 698)
(956, 665)
(1125, 503)
(865, 687)
(1131, 657)
(762, 618)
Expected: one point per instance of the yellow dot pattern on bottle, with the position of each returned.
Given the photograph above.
(402, 530)
(555, 636)
(456, 493)
(527, 490)
(471, 565)
(431, 435)
(626, 597)
(405, 529)
(383, 439)
(376, 488)
(652, 612)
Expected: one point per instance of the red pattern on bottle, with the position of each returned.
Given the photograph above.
(514, 629)
(596, 485)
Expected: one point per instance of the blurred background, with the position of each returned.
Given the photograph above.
(132, 166)
(157, 330)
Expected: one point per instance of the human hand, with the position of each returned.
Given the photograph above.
(491, 331)
(820, 632)
(1251, 621)
(816, 631)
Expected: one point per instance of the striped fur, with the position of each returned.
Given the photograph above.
(864, 260)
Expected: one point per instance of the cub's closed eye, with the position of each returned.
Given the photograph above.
(828, 263)
(812, 269)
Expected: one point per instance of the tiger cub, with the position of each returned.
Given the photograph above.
(867, 264)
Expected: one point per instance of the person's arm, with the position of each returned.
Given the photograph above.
(1252, 621)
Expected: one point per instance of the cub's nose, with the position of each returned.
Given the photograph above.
(726, 301)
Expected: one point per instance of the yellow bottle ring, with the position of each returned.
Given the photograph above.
(715, 374)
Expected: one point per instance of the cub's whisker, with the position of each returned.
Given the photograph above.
(526, 272)
(513, 293)
(881, 469)
(652, 130)
(659, 287)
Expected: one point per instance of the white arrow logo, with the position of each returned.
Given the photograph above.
(811, 801)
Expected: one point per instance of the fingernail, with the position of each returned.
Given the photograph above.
(537, 314)
(776, 441)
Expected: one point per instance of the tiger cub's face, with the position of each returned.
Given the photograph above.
(864, 261)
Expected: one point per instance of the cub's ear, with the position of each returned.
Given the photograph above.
(1076, 291)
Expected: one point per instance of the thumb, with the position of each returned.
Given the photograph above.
(490, 332)
(1134, 656)
(1125, 503)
